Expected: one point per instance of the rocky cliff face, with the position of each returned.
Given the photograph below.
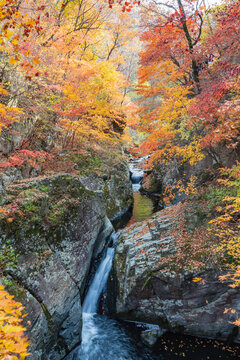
(151, 289)
(116, 186)
(64, 224)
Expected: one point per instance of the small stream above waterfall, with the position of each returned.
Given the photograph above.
(104, 338)
(144, 206)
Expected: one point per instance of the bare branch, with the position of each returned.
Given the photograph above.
(164, 4)
(200, 29)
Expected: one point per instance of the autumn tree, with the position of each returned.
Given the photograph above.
(168, 81)
(179, 75)
(71, 83)
(13, 343)
(217, 107)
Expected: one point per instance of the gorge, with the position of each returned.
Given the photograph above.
(119, 179)
(105, 338)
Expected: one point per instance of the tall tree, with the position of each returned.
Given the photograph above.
(188, 119)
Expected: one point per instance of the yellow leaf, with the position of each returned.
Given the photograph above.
(14, 42)
(237, 322)
(12, 329)
(36, 60)
(12, 60)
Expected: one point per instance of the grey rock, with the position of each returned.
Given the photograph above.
(149, 291)
(64, 226)
(151, 335)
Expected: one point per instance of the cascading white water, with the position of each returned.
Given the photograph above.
(99, 281)
(137, 174)
(104, 338)
(89, 308)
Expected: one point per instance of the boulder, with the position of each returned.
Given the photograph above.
(151, 289)
(116, 186)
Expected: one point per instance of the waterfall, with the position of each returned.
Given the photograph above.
(103, 338)
(98, 283)
(106, 339)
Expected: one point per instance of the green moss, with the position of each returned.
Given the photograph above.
(121, 262)
(6, 199)
(46, 206)
(45, 188)
(30, 194)
(147, 281)
(30, 207)
(86, 162)
(106, 191)
(14, 288)
(47, 313)
(8, 256)
(57, 212)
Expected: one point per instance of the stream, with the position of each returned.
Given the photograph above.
(144, 206)
(104, 338)
(98, 329)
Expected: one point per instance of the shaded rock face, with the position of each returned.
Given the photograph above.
(64, 226)
(148, 290)
(163, 175)
(15, 174)
(118, 191)
(116, 188)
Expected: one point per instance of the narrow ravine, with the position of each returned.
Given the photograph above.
(102, 337)
(143, 205)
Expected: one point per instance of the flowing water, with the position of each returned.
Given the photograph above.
(144, 206)
(97, 329)
(102, 337)
(107, 339)
(136, 174)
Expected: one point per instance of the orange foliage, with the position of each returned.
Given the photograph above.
(70, 58)
(226, 227)
(188, 83)
(13, 343)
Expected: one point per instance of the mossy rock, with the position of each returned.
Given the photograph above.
(41, 206)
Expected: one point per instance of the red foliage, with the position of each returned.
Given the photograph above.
(21, 157)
